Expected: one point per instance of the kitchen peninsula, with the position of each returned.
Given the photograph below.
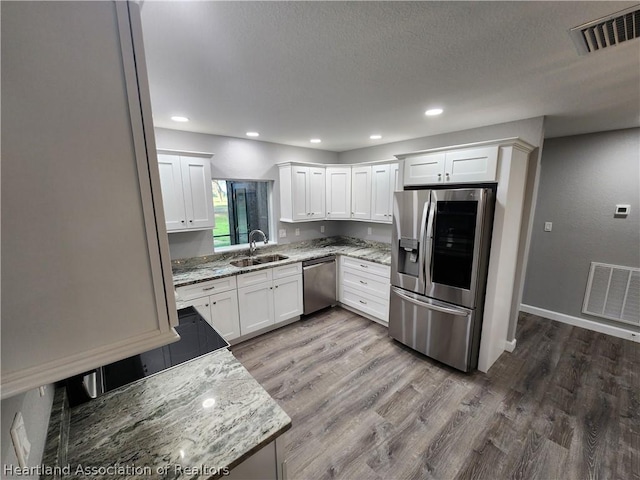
(205, 416)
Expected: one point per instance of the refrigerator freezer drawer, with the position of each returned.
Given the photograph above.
(440, 330)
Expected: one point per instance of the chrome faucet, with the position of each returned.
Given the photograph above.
(252, 242)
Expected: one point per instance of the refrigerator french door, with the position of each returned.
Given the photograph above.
(440, 254)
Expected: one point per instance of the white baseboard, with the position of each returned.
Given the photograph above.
(614, 331)
(510, 346)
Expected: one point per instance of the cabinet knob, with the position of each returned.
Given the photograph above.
(215, 303)
(190, 221)
(270, 288)
(328, 213)
(206, 304)
(276, 286)
(181, 221)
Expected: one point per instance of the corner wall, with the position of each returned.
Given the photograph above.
(529, 130)
(242, 159)
(582, 178)
(35, 412)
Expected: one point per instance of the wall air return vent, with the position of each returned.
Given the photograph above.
(613, 292)
(614, 29)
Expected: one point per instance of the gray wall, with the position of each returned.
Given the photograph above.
(582, 178)
(239, 158)
(35, 411)
(529, 130)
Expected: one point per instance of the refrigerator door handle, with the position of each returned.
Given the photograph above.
(428, 243)
(423, 245)
(431, 306)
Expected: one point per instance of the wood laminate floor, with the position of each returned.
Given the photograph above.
(564, 405)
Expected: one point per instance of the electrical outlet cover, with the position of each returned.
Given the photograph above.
(297, 232)
(321, 228)
(282, 233)
(20, 441)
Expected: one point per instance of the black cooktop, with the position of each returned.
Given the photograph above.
(197, 338)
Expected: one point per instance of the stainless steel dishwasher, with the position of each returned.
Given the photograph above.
(319, 279)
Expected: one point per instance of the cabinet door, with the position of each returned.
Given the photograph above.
(316, 192)
(198, 200)
(172, 191)
(361, 192)
(394, 186)
(299, 194)
(471, 165)
(255, 304)
(224, 314)
(424, 169)
(287, 298)
(338, 195)
(380, 195)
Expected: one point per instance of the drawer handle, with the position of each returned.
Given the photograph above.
(363, 282)
(208, 288)
(364, 266)
(363, 302)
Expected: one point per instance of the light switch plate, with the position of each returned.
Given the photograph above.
(21, 443)
(548, 226)
(321, 228)
(369, 231)
(282, 233)
(297, 232)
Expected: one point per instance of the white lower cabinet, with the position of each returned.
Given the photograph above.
(364, 286)
(217, 301)
(269, 297)
(256, 307)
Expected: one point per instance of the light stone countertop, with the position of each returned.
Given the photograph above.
(201, 269)
(206, 412)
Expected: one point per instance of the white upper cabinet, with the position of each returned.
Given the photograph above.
(302, 193)
(465, 165)
(384, 182)
(471, 165)
(361, 192)
(85, 254)
(186, 192)
(424, 169)
(338, 183)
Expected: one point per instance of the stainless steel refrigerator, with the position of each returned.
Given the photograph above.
(439, 260)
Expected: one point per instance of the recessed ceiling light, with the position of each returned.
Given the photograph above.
(253, 134)
(432, 112)
(178, 118)
(315, 140)
(375, 137)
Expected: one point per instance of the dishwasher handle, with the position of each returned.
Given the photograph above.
(318, 261)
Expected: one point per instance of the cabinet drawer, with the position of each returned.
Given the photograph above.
(364, 266)
(365, 282)
(254, 278)
(377, 308)
(287, 270)
(206, 288)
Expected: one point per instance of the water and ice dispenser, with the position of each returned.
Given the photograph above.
(408, 256)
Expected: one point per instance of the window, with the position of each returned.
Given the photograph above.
(239, 207)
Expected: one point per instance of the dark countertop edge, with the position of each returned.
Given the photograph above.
(255, 268)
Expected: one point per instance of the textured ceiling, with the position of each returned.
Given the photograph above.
(341, 71)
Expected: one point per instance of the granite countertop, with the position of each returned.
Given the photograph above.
(208, 413)
(201, 269)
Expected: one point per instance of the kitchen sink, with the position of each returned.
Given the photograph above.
(245, 262)
(262, 259)
(270, 258)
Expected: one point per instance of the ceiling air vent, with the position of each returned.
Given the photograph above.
(607, 31)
